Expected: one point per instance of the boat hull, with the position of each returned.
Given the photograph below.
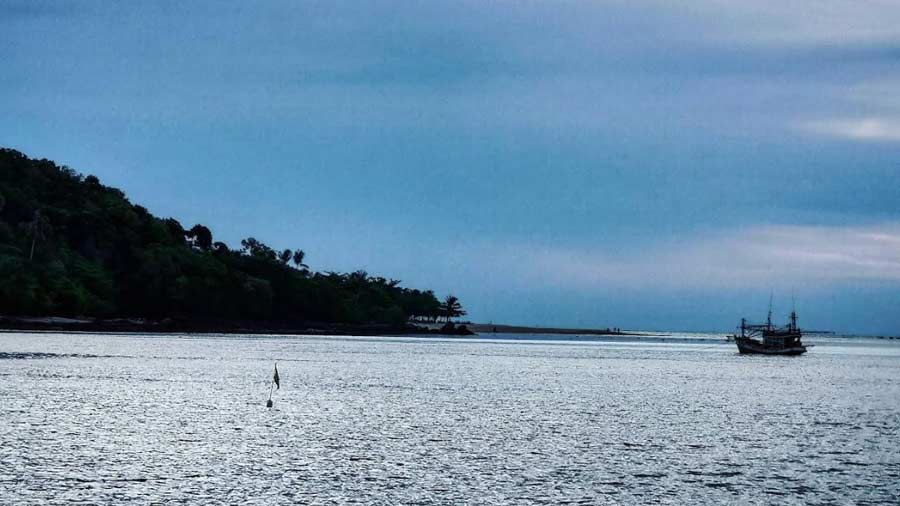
(752, 347)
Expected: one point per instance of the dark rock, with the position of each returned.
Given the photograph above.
(462, 330)
(449, 329)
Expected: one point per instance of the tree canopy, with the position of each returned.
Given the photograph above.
(70, 246)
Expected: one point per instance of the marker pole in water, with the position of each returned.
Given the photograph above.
(275, 382)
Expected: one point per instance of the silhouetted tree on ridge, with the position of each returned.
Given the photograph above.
(201, 237)
(298, 257)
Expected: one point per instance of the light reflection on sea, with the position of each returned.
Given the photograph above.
(505, 420)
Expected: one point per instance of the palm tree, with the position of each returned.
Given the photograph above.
(452, 308)
(299, 255)
(358, 279)
(285, 256)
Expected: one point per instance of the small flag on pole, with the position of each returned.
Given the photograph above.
(275, 379)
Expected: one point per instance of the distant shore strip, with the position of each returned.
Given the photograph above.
(173, 326)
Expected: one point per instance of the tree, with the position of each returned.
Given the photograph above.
(299, 255)
(452, 308)
(257, 249)
(39, 228)
(200, 236)
(358, 279)
(175, 229)
(285, 256)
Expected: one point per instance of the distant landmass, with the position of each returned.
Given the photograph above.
(521, 329)
(72, 247)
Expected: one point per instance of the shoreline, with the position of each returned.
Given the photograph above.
(185, 326)
(177, 326)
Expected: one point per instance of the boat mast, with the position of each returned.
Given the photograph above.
(769, 318)
(793, 313)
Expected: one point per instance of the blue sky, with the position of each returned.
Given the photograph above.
(640, 164)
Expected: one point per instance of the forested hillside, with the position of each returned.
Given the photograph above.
(70, 246)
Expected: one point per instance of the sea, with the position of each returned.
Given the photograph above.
(506, 419)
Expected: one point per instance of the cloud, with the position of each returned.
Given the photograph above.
(759, 257)
(864, 129)
(644, 68)
(876, 103)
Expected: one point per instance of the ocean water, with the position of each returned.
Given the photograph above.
(101, 419)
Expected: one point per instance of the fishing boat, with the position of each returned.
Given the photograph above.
(769, 339)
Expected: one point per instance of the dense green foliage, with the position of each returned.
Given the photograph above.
(71, 246)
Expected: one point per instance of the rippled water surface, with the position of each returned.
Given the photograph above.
(144, 419)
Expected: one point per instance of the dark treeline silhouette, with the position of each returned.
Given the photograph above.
(70, 246)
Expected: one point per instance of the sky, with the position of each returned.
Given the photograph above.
(640, 164)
